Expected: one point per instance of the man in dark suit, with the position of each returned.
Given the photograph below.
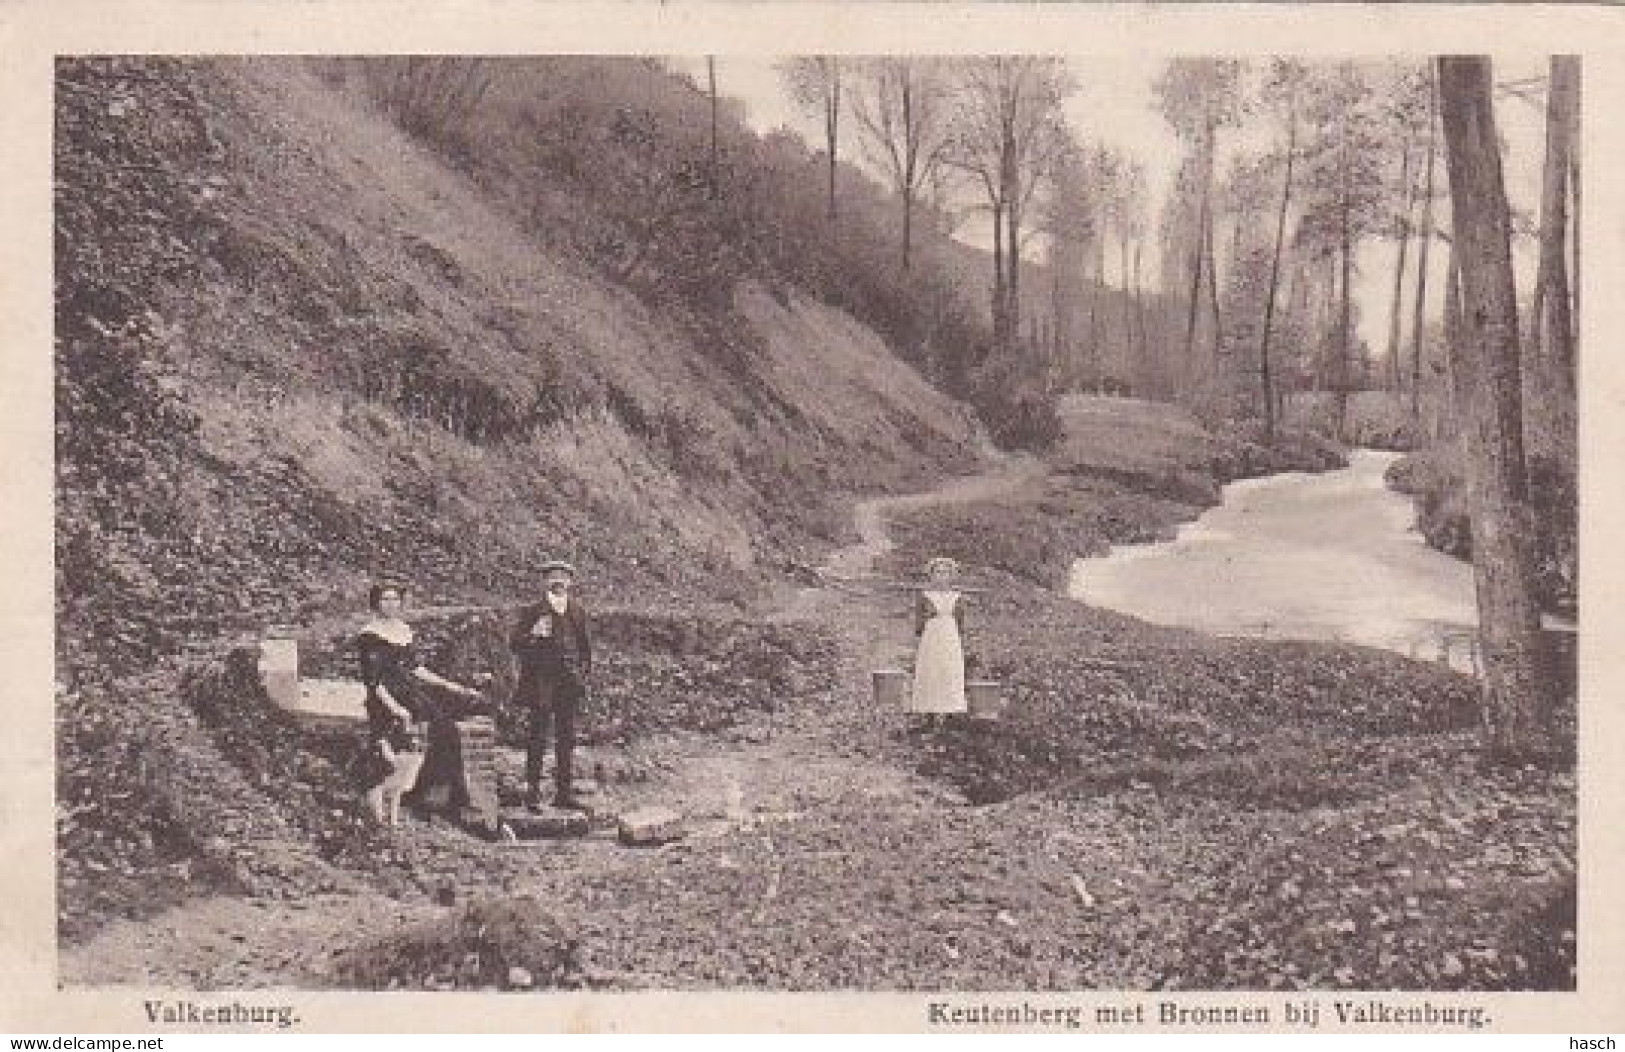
(553, 648)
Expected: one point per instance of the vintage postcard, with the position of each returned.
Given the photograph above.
(819, 517)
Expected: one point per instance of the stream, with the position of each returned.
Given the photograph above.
(1330, 556)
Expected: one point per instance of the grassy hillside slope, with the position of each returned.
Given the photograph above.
(296, 349)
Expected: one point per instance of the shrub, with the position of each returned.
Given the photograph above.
(1435, 482)
(491, 944)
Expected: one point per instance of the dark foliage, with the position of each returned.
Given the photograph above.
(632, 139)
(1434, 480)
(654, 672)
(497, 944)
(1118, 725)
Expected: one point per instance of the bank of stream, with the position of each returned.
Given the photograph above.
(1158, 809)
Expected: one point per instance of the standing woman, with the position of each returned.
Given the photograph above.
(395, 677)
(939, 663)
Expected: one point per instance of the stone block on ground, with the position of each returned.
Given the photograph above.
(650, 825)
(478, 739)
(279, 667)
(548, 824)
(333, 698)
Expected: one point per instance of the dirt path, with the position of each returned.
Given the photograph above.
(785, 770)
(869, 517)
(849, 565)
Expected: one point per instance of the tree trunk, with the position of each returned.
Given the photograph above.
(908, 227)
(1101, 301)
(832, 126)
(1012, 264)
(1535, 350)
(1194, 305)
(1205, 234)
(1143, 357)
(1404, 237)
(1275, 273)
(1451, 414)
(1574, 213)
(1001, 335)
(1326, 375)
(1345, 310)
(1485, 370)
(1554, 213)
(711, 80)
(1212, 284)
(1094, 352)
(1129, 356)
(909, 160)
(1418, 318)
(1056, 309)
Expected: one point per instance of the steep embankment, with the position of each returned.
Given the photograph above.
(384, 371)
(295, 350)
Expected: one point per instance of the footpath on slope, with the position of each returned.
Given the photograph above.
(751, 778)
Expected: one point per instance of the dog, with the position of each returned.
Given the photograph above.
(404, 757)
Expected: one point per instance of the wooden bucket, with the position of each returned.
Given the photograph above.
(984, 699)
(891, 688)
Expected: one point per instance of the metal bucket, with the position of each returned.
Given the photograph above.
(891, 688)
(984, 699)
(279, 666)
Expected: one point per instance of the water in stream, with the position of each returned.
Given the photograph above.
(1301, 556)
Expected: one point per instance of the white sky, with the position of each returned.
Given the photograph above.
(1114, 106)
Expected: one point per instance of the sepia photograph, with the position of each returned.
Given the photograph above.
(881, 521)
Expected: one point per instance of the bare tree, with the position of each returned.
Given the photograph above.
(1485, 369)
(1574, 137)
(1408, 109)
(1284, 87)
(1552, 324)
(1424, 242)
(711, 85)
(903, 109)
(814, 84)
(1199, 97)
(1071, 222)
(1006, 133)
(1129, 207)
(1093, 194)
(1345, 194)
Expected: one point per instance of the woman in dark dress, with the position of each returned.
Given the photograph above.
(396, 679)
